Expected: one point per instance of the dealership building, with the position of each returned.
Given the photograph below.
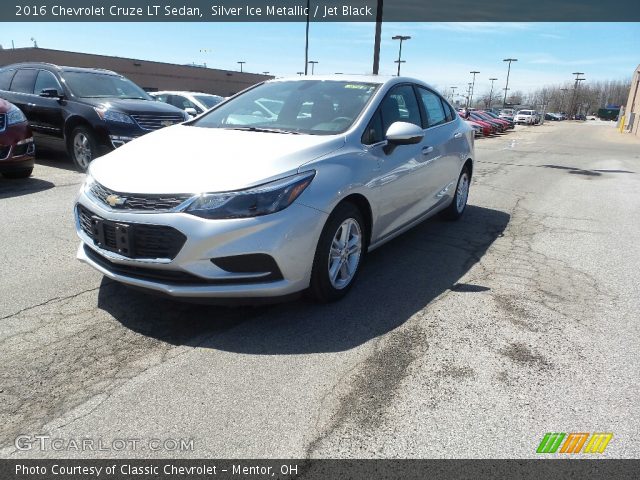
(632, 109)
(152, 76)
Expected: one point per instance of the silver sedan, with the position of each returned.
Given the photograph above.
(279, 189)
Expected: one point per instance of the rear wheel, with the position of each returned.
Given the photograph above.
(83, 147)
(23, 173)
(459, 203)
(339, 254)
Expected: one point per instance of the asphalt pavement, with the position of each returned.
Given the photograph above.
(461, 340)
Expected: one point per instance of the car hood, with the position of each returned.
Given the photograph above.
(132, 105)
(187, 159)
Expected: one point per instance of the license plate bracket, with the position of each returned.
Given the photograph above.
(113, 236)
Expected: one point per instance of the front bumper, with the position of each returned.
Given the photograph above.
(289, 237)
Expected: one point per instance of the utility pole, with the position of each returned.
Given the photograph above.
(376, 44)
(506, 87)
(306, 41)
(491, 92)
(573, 110)
(473, 84)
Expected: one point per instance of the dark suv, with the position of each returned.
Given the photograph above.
(87, 111)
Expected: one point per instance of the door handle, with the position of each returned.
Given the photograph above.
(457, 135)
(427, 150)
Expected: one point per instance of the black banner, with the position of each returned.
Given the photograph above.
(318, 469)
(319, 11)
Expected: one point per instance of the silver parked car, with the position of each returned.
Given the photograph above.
(244, 203)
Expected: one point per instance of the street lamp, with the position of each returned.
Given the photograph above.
(402, 38)
(265, 73)
(473, 84)
(241, 63)
(300, 73)
(453, 92)
(468, 95)
(506, 87)
(564, 92)
(313, 64)
(491, 92)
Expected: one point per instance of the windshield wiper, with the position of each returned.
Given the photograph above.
(265, 130)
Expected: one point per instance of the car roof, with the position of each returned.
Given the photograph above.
(376, 79)
(59, 68)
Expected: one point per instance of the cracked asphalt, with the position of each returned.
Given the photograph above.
(461, 340)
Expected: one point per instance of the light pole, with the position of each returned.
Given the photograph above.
(473, 84)
(300, 73)
(506, 87)
(453, 92)
(468, 95)
(491, 92)
(313, 64)
(265, 73)
(241, 63)
(402, 38)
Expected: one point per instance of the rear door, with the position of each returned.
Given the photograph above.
(445, 135)
(22, 88)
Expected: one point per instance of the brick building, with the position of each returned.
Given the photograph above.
(149, 75)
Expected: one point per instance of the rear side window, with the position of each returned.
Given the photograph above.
(46, 80)
(433, 106)
(5, 79)
(23, 81)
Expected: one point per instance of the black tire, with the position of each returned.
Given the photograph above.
(76, 146)
(321, 288)
(23, 173)
(453, 211)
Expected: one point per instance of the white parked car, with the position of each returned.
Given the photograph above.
(527, 117)
(194, 103)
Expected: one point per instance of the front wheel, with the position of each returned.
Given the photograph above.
(338, 255)
(459, 203)
(83, 148)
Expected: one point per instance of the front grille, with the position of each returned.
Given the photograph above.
(154, 121)
(155, 203)
(174, 277)
(133, 240)
(3, 121)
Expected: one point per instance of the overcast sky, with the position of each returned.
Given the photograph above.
(439, 53)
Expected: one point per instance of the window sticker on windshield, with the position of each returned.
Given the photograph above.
(357, 86)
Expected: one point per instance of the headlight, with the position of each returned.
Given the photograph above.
(263, 200)
(15, 115)
(113, 116)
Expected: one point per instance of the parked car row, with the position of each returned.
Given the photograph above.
(486, 122)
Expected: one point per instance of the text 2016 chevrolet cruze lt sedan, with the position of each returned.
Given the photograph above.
(251, 202)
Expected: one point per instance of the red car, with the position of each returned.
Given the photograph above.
(485, 125)
(506, 125)
(17, 152)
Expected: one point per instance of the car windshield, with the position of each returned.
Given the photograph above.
(524, 112)
(103, 85)
(317, 107)
(208, 100)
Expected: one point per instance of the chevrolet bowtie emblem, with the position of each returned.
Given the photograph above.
(115, 200)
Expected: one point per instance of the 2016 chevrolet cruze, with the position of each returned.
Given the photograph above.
(280, 189)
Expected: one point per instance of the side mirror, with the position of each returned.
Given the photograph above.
(191, 111)
(403, 133)
(50, 93)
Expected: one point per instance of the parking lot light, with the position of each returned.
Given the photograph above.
(402, 38)
(241, 63)
(313, 64)
(506, 87)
